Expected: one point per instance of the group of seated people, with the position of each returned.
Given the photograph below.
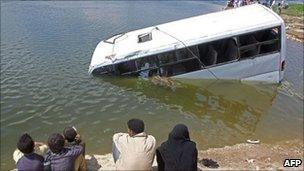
(134, 150)
(62, 152)
(239, 3)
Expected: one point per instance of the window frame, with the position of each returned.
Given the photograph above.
(260, 44)
(158, 64)
(239, 47)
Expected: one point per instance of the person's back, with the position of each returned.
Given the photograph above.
(29, 160)
(134, 150)
(73, 138)
(65, 159)
(60, 158)
(178, 152)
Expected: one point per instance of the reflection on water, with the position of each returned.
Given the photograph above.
(234, 105)
(201, 97)
(46, 48)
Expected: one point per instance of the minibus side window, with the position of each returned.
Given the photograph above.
(270, 46)
(166, 58)
(147, 66)
(220, 51)
(109, 69)
(126, 67)
(179, 61)
(260, 42)
(144, 67)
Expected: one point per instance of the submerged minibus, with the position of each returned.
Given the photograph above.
(246, 43)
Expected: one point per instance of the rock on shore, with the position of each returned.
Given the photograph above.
(238, 157)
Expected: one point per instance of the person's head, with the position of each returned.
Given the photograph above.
(69, 134)
(135, 126)
(26, 144)
(179, 132)
(56, 142)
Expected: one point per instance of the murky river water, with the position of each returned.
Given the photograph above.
(46, 49)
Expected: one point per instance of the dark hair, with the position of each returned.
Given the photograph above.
(136, 125)
(56, 142)
(26, 144)
(69, 134)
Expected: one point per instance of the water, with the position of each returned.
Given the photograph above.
(46, 49)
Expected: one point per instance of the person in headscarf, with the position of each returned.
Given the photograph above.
(178, 152)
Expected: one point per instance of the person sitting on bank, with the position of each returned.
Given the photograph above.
(134, 150)
(178, 152)
(73, 138)
(25, 156)
(59, 157)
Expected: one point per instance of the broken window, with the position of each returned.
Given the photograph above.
(147, 66)
(240, 47)
(219, 51)
(166, 58)
(109, 69)
(179, 61)
(260, 42)
(126, 67)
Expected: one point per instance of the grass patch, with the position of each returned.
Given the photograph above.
(294, 9)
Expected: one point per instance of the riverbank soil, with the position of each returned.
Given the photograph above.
(294, 27)
(253, 156)
(237, 157)
(294, 20)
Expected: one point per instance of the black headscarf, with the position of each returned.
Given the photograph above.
(178, 152)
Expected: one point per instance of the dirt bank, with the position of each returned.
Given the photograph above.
(237, 157)
(294, 27)
(254, 156)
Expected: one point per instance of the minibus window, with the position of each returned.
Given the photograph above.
(168, 57)
(250, 46)
(109, 69)
(146, 62)
(260, 42)
(180, 67)
(147, 66)
(270, 46)
(179, 61)
(219, 51)
(126, 67)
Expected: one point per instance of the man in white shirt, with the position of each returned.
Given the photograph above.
(134, 150)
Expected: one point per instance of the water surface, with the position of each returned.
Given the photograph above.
(46, 49)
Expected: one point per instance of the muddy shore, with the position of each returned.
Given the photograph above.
(237, 157)
(294, 27)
